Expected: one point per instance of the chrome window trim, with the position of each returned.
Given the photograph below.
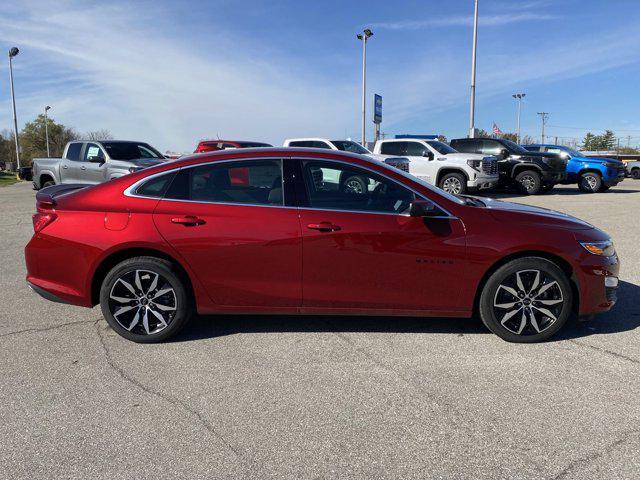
(129, 191)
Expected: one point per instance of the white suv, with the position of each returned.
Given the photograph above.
(439, 164)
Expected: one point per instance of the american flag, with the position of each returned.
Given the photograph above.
(496, 130)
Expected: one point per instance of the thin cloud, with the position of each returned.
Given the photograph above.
(465, 21)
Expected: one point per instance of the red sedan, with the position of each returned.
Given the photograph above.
(275, 230)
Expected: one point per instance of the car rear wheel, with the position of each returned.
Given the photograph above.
(527, 300)
(145, 299)
(589, 182)
(454, 183)
(528, 182)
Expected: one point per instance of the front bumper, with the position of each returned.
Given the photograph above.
(482, 182)
(598, 282)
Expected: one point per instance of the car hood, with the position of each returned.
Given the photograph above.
(599, 160)
(526, 214)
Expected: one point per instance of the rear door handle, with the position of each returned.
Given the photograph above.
(324, 227)
(188, 220)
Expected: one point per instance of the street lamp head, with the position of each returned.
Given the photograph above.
(13, 51)
(47, 108)
(368, 32)
(359, 36)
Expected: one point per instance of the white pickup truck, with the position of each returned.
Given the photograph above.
(633, 170)
(439, 164)
(94, 162)
(355, 183)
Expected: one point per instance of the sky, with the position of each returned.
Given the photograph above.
(173, 73)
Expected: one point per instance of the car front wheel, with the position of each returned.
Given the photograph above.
(526, 300)
(589, 182)
(454, 183)
(635, 173)
(145, 299)
(528, 182)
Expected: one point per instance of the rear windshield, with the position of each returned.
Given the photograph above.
(130, 150)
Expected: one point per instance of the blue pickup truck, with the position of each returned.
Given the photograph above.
(591, 174)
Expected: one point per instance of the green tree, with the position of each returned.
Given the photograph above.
(33, 143)
(608, 140)
(442, 138)
(589, 142)
(7, 148)
(510, 136)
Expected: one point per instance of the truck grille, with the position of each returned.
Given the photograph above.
(490, 166)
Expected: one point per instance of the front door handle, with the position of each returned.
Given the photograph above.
(83, 167)
(65, 166)
(188, 220)
(324, 227)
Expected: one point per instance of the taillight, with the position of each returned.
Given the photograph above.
(41, 220)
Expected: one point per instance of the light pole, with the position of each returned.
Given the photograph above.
(473, 72)
(519, 97)
(12, 53)
(543, 117)
(46, 128)
(366, 33)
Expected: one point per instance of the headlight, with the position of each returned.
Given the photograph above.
(475, 164)
(604, 249)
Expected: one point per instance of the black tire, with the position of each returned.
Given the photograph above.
(355, 184)
(48, 183)
(496, 299)
(528, 182)
(455, 183)
(589, 182)
(175, 306)
(635, 173)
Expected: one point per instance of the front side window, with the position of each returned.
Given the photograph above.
(416, 149)
(338, 186)
(441, 147)
(467, 146)
(93, 151)
(252, 182)
(73, 152)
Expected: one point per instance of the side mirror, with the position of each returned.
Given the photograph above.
(428, 154)
(422, 208)
(96, 159)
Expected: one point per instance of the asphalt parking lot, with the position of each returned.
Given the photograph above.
(320, 397)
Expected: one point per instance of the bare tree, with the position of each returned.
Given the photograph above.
(97, 135)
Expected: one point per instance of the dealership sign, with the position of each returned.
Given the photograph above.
(377, 108)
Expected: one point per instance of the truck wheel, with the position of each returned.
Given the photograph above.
(454, 183)
(355, 184)
(48, 183)
(528, 182)
(635, 173)
(589, 182)
(527, 300)
(145, 299)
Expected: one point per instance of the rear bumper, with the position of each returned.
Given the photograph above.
(46, 294)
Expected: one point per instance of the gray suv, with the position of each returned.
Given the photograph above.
(94, 162)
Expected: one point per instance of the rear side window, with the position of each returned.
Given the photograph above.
(155, 187)
(73, 152)
(254, 182)
(393, 148)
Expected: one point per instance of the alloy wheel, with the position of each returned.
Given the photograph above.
(592, 182)
(452, 185)
(143, 302)
(528, 302)
(528, 182)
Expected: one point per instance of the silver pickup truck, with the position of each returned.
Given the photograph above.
(94, 162)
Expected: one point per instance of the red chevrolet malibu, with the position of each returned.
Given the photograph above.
(276, 230)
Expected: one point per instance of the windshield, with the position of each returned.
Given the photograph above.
(441, 147)
(514, 146)
(131, 150)
(349, 146)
